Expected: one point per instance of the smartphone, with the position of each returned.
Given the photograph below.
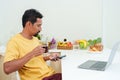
(60, 57)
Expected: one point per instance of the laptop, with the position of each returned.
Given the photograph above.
(100, 65)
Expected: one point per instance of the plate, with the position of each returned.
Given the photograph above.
(95, 52)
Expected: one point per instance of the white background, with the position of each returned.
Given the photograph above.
(111, 22)
(71, 19)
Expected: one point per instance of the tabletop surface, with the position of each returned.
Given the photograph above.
(74, 58)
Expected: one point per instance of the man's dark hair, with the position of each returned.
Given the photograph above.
(30, 15)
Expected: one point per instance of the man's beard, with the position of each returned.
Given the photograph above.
(36, 33)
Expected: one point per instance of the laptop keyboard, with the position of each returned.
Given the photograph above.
(99, 65)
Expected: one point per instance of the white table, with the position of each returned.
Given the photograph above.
(70, 70)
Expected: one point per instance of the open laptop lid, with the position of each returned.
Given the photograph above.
(112, 54)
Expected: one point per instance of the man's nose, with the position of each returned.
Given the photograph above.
(40, 28)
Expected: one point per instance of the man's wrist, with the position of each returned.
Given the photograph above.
(47, 58)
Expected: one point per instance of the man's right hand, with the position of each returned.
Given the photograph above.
(38, 51)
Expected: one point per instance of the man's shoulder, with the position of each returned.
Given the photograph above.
(15, 37)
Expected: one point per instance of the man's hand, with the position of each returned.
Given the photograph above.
(54, 56)
(38, 51)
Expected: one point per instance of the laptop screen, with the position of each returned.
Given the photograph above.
(113, 52)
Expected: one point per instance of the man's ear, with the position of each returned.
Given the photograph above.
(28, 23)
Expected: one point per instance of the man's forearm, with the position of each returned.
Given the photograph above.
(14, 65)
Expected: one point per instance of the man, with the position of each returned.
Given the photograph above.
(24, 52)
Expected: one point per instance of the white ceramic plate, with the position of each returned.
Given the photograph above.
(94, 51)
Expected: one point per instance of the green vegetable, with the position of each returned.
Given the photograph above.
(95, 41)
(99, 40)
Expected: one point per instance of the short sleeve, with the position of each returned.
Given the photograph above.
(12, 51)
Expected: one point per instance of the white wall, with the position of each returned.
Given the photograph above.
(71, 19)
(111, 22)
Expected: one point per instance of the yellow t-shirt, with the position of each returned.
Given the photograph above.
(34, 69)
